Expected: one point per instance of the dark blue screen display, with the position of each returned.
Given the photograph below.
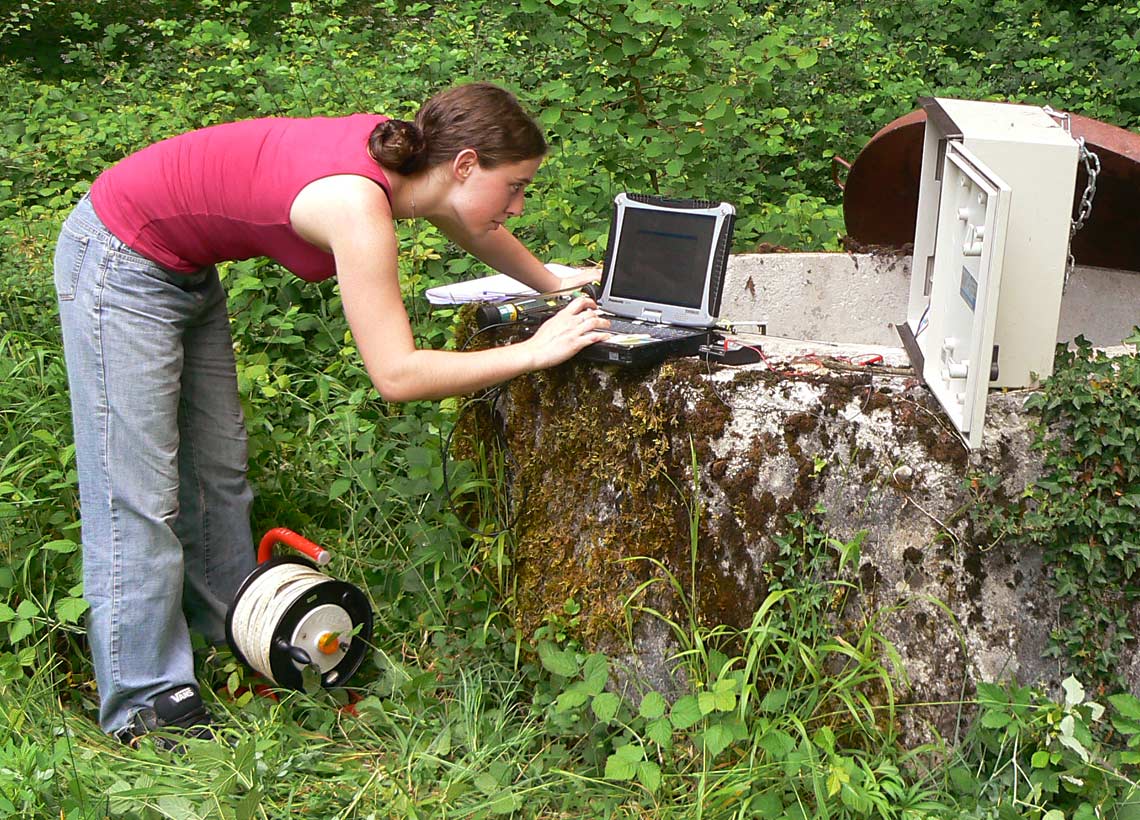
(662, 256)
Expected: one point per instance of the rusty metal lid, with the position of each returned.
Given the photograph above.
(880, 196)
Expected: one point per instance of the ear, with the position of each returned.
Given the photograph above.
(464, 163)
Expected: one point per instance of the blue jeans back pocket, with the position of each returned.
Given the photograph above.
(70, 251)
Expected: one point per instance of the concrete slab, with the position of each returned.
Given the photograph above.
(858, 298)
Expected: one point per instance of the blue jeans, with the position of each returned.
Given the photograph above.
(160, 447)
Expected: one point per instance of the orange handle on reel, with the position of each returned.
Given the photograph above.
(298, 542)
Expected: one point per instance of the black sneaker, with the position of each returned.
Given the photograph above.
(179, 709)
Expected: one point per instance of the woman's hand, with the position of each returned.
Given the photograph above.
(576, 326)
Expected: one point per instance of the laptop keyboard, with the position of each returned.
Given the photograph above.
(646, 329)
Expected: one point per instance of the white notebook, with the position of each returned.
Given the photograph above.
(493, 288)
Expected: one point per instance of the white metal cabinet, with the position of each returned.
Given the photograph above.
(1024, 164)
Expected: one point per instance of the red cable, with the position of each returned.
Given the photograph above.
(298, 542)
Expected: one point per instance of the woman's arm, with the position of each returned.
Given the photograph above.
(505, 253)
(351, 217)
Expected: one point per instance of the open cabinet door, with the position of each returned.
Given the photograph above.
(959, 325)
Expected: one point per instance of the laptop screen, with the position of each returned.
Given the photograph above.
(663, 256)
(666, 259)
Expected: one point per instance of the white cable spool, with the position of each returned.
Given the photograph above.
(287, 616)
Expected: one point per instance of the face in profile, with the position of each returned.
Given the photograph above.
(485, 198)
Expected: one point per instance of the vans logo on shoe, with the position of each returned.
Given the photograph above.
(182, 694)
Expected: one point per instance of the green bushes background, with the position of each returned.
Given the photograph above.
(748, 102)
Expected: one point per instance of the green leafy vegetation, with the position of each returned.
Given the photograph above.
(1084, 511)
(457, 714)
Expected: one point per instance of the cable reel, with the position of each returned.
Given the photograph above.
(288, 616)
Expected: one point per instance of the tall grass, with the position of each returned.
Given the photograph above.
(806, 715)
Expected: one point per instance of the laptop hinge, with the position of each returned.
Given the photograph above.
(651, 316)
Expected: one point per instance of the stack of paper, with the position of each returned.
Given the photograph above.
(494, 288)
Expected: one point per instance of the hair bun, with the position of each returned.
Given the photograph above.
(399, 145)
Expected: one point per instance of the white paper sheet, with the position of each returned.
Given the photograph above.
(493, 288)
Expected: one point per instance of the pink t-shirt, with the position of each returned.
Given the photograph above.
(224, 193)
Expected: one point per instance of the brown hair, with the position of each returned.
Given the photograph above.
(480, 116)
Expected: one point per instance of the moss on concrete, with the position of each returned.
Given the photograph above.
(604, 482)
(599, 441)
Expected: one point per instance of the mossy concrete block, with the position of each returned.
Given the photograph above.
(638, 490)
(627, 478)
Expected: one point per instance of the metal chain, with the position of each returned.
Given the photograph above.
(1092, 169)
(1084, 209)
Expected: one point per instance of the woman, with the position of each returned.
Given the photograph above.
(160, 440)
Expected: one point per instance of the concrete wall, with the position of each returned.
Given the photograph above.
(859, 297)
